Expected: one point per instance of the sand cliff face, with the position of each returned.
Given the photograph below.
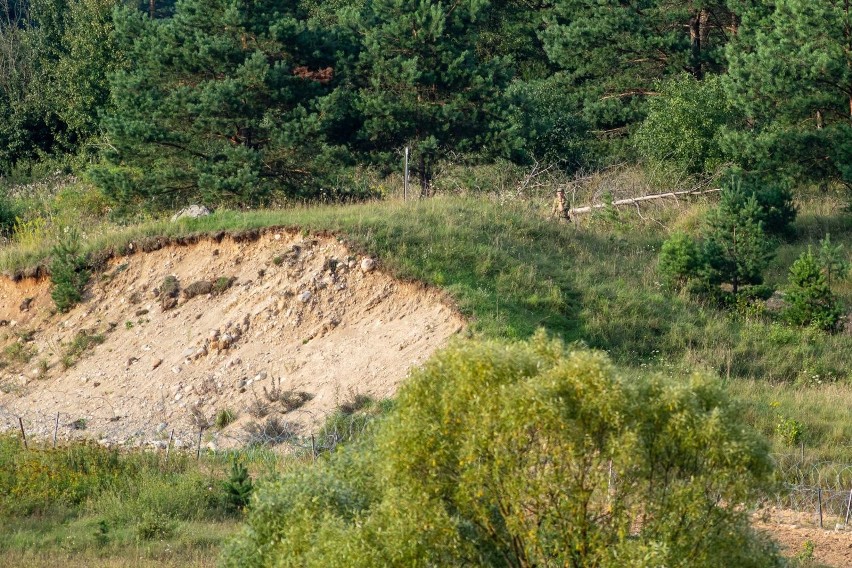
(278, 314)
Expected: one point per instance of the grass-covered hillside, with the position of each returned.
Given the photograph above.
(512, 270)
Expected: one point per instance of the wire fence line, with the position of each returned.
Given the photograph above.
(299, 432)
(820, 488)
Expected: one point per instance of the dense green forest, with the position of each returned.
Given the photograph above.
(243, 102)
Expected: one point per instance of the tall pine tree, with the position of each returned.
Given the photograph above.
(422, 83)
(615, 50)
(790, 73)
(219, 105)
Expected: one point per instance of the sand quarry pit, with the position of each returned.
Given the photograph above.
(274, 312)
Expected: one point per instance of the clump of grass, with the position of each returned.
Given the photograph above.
(222, 284)
(355, 403)
(290, 399)
(293, 400)
(225, 417)
(82, 342)
(258, 408)
(272, 432)
(19, 352)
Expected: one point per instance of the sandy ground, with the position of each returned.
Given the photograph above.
(832, 545)
(302, 315)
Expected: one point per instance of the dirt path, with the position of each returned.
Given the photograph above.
(302, 315)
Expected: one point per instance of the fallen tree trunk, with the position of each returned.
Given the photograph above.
(633, 200)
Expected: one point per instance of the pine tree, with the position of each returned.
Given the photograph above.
(615, 51)
(217, 105)
(790, 73)
(736, 249)
(238, 487)
(423, 84)
(811, 301)
(832, 261)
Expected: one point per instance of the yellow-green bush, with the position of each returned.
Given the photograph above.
(527, 454)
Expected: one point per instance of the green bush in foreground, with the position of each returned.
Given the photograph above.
(526, 454)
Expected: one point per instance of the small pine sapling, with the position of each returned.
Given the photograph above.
(811, 300)
(238, 487)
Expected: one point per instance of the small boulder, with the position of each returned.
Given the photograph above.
(368, 265)
(191, 212)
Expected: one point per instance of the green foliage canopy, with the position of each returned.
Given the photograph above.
(790, 73)
(218, 104)
(526, 454)
(422, 83)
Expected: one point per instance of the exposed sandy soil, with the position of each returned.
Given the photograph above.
(301, 311)
(792, 529)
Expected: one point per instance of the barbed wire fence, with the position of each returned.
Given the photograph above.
(820, 489)
(300, 432)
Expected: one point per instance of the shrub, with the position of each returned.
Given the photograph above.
(270, 433)
(68, 273)
(531, 455)
(683, 124)
(811, 301)
(680, 259)
(154, 526)
(775, 209)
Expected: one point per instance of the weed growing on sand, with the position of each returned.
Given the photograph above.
(19, 352)
(82, 342)
(258, 408)
(272, 432)
(225, 417)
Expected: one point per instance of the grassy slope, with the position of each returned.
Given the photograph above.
(511, 271)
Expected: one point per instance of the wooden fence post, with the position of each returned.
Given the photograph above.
(23, 434)
(819, 505)
(848, 506)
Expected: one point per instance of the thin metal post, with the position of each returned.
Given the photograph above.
(55, 430)
(169, 445)
(819, 505)
(405, 187)
(803, 452)
(198, 451)
(848, 507)
(23, 434)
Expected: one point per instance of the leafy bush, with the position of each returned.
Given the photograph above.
(68, 273)
(527, 454)
(153, 526)
(683, 124)
(811, 301)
